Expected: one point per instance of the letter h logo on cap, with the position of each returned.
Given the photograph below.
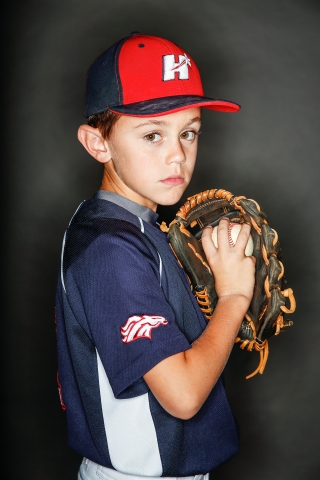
(171, 69)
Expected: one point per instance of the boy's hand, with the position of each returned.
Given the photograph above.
(233, 271)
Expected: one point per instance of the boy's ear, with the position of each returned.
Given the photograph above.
(94, 143)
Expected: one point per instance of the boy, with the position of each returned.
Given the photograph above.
(139, 366)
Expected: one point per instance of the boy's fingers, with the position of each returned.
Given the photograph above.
(223, 237)
(243, 236)
(207, 243)
(207, 235)
(223, 234)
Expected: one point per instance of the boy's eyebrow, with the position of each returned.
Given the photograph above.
(194, 120)
(163, 123)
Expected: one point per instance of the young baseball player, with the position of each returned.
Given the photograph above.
(139, 366)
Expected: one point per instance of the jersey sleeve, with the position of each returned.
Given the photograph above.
(117, 280)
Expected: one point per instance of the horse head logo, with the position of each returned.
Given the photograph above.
(140, 327)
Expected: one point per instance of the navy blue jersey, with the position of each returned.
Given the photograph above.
(123, 305)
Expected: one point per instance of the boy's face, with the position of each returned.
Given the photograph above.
(152, 158)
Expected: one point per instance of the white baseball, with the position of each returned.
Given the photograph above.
(234, 229)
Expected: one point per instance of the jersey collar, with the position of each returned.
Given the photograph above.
(139, 210)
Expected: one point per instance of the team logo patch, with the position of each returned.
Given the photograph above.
(140, 327)
(171, 67)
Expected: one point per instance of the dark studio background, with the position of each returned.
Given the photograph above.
(262, 54)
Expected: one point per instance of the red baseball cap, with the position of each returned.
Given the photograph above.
(143, 75)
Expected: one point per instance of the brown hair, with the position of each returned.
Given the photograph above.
(104, 121)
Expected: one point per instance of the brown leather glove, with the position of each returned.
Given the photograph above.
(271, 298)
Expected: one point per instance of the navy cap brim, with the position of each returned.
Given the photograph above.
(166, 105)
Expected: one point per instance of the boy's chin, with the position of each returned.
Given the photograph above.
(166, 202)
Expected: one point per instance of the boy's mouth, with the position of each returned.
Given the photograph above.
(173, 180)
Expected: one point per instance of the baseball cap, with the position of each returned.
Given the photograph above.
(144, 75)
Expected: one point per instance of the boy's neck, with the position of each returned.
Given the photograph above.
(112, 183)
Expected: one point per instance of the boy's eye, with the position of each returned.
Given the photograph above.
(189, 135)
(152, 137)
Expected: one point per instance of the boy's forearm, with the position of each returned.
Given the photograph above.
(182, 383)
(210, 352)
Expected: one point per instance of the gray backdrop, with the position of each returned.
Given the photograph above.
(262, 54)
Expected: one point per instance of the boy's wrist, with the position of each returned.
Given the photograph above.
(240, 301)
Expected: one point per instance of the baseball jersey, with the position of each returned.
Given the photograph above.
(123, 305)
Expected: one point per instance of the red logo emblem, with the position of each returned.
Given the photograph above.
(140, 327)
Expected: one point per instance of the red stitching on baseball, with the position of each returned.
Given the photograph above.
(231, 242)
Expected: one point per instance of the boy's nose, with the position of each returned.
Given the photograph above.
(176, 153)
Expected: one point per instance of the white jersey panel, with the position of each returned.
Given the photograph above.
(130, 431)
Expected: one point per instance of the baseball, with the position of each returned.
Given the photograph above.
(234, 229)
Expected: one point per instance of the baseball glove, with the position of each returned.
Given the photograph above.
(271, 298)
